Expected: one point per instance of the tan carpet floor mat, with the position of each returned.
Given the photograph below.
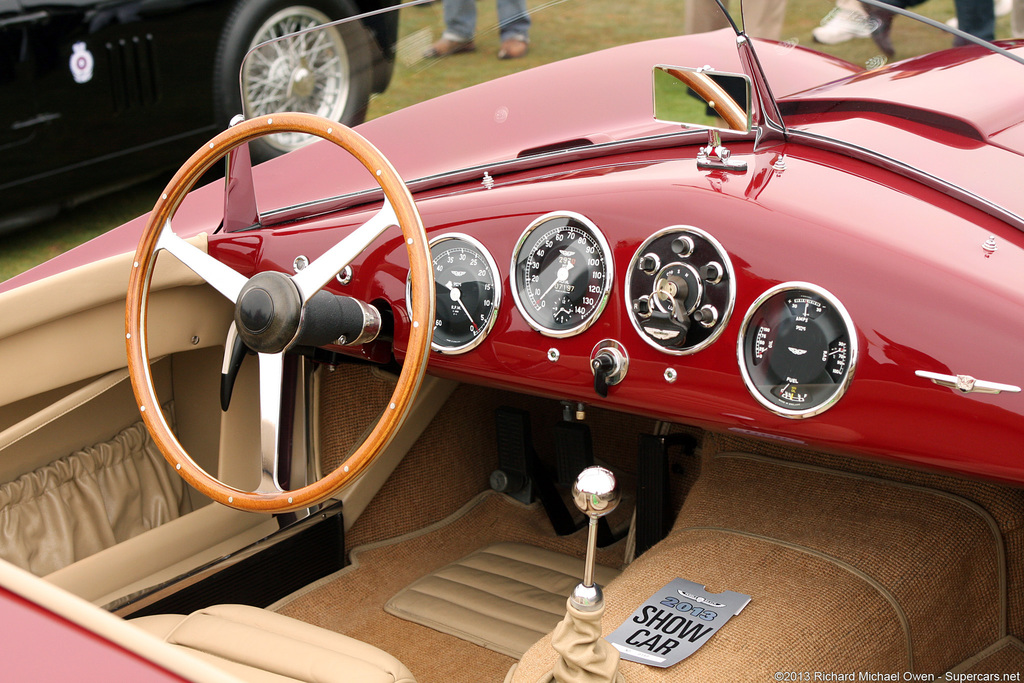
(505, 596)
(846, 572)
(352, 600)
(1006, 656)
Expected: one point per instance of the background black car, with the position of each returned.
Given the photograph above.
(97, 94)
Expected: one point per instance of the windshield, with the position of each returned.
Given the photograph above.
(383, 63)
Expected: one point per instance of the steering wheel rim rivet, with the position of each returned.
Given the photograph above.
(409, 241)
(128, 336)
(142, 409)
(415, 323)
(345, 469)
(392, 406)
(330, 130)
(231, 499)
(178, 466)
(289, 499)
(380, 172)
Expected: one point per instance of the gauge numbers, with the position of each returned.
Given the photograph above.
(563, 274)
(797, 350)
(466, 293)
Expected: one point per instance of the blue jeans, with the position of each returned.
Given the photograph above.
(460, 19)
(976, 17)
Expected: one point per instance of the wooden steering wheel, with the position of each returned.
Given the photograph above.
(398, 209)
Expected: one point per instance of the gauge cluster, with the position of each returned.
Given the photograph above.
(796, 346)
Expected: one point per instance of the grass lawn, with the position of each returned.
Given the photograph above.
(570, 28)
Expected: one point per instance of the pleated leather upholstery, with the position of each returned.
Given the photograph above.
(503, 597)
(87, 501)
(262, 646)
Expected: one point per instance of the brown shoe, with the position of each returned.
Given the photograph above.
(513, 48)
(447, 46)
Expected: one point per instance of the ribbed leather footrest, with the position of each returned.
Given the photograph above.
(503, 597)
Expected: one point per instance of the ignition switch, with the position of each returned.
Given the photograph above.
(609, 363)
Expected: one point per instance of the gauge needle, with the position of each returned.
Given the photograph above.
(563, 276)
(456, 294)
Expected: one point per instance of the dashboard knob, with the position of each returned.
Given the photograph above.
(711, 272)
(649, 263)
(706, 315)
(682, 245)
(642, 307)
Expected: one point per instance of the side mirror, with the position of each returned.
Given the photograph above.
(701, 98)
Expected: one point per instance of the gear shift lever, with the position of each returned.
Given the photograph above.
(583, 655)
(595, 495)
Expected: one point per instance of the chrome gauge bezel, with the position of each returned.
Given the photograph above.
(852, 353)
(496, 285)
(606, 287)
(727, 278)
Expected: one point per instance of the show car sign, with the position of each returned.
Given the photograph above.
(674, 622)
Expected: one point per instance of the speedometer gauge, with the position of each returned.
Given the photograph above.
(466, 293)
(563, 274)
(797, 349)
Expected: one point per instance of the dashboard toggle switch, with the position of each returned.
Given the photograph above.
(609, 363)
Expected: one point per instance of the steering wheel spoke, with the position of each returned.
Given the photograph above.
(251, 297)
(271, 377)
(222, 278)
(317, 274)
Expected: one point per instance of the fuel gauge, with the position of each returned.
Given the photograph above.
(797, 350)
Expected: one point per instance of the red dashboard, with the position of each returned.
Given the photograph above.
(879, 244)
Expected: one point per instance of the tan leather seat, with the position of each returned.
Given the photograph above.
(258, 645)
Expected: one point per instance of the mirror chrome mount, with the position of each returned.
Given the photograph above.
(716, 156)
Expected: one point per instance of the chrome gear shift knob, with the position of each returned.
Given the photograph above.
(594, 492)
(596, 495)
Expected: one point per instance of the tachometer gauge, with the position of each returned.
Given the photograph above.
(797, 349)
(467, 291)
(563, 274)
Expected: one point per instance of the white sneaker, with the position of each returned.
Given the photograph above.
(838, 26)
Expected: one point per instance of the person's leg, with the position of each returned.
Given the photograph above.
(704, 15)
(977, 17)
(1017, 19)
(459, 20)
(763, 18)
(459, 27)
(514, 20)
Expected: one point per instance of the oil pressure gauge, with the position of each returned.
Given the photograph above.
(797, 349)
